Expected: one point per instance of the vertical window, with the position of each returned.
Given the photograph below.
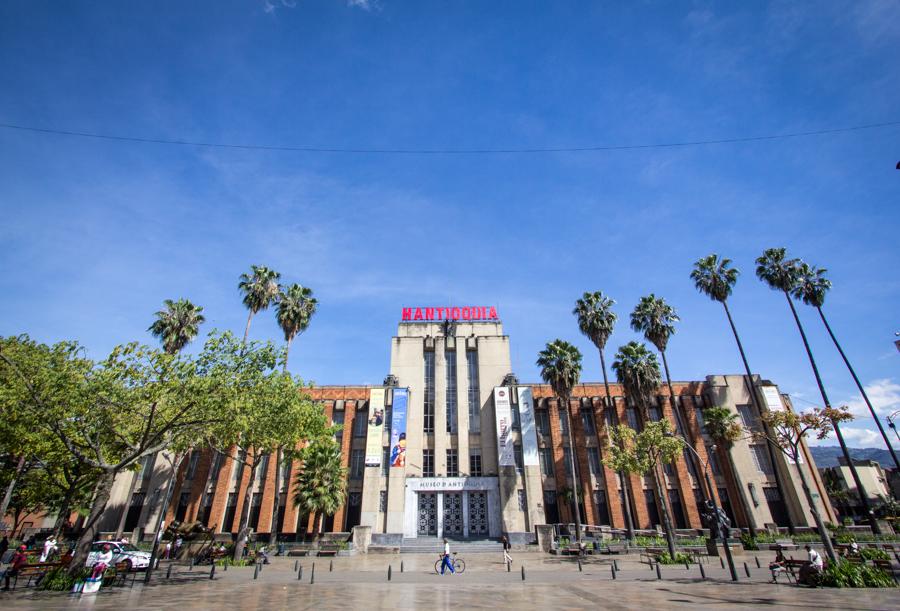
(474, 392)
(147, 466)
(262, 467)
(427, 463)
(516, 418)
(748, 418)
(285, 474)
(689, 461)
(217, 459)
(761, 459)
(594, 461)
(631, 414)
(520, 462)
(546, 458)
(612, 418)
(475, 462)
(450, 357)
(382, 501)
(602, 507)
(698, 412)
(564, 425)
(587, 421)
(542, 418)
(385, 460)
(428, 420)
(452, 463)
(567, 459)
(255, 504)
(230, 508)
(669, 469)
(713, 461)
(656, 409)
(357, 463)
(677, 509)
(360, 422)
(191, 470)
(523, 503)
(337, 419)
(652, 510)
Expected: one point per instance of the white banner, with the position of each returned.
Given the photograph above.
(529, 435)
(773, 398)
(376, 427)
(503, 415)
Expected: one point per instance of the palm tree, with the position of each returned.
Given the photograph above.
(714, 277)
(812, 288)
(656, 319)
(260, 288)
(784, 275)
(320, 485)
(637, 370)
(296, 306)
(560, 364)
(596, 320)
(177, 324)
(724, 429)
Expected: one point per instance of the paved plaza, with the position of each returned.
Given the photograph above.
(362, 582)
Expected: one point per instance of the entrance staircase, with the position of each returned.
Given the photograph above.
(433, 545)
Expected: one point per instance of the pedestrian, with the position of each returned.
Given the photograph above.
(777, 566)
(103, 562)
(49, 548)
(178, 543)
(19, 560)
(507, 559)
(446, 564)
(815, 559)
(168, 551)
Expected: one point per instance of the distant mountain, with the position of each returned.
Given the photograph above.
(827, 456)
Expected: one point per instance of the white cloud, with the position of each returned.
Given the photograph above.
(884, 395)
(366, 5)
(269, 6)
(856, 437)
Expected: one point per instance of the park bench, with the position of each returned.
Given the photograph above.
(785, 545)
(328, 550)
(651, 555)
(298, 552)
(119, 573)
(34, 573)
(886, 566)
(614, 548)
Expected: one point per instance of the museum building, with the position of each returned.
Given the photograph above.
(453, 445)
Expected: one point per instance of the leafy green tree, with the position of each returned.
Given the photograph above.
(714, 277)
(177, 324)
(643, 453)
(811, 288)
(268, 409)
(260, 289)
(785, 275)
(560, 364)
(596, 320)
(790, 429)
(321, 481)
(637, 370)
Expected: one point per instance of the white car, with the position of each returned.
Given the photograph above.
(121, 552)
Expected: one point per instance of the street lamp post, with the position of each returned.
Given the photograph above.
(715, 512)
(891, 424)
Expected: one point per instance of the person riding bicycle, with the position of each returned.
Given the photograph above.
(447, 562)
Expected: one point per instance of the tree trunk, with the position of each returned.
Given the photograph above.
(577, 513)
(626, 490)
(318, 523)
(160, 519)
(864, 500)
(861, 389)
(243, 528)
(247, 328)
(287, 352)
(89, 533)
(276, 511)
(823, 534)
(7, 497)
(770, 445)
(65, 507)
(664, 511)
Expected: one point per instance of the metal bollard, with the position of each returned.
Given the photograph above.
(722, 562)
(658, 572)
(508, 566)
(169, 571)
(616, 564)
(191, 565)
(212, 571)
(330, 566)
(312, 574)
(687, 566)
(296, 564)
(523, 572)
(702, 571)
(256, 571)
(613, 570)
(401, 566)
(757, 561)
(389, 572)
(300, 574)
(747, 569)
(579, 566)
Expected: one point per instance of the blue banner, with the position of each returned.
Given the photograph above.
(398, 427)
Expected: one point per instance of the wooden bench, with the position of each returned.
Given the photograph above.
(329, 550)
(614, 548)
(651, 556)
(298, 552)
(34, 573)
(119, 573)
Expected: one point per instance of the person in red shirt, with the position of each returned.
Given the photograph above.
(18, 561)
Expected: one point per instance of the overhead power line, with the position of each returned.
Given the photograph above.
(446, 151)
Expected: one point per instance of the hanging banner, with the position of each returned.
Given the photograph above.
(773, 399)
(529, 435)
(376, 427)
(503, 414)
(398, 427)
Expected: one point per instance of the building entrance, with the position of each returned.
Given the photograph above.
(427, 519)
(452, 507)
(453, 514)
(478, 518)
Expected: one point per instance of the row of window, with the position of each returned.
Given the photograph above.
(358, 462)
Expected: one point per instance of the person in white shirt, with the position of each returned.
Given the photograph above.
(103, 561)
(446, 564)
(815, 559)
(49, 548)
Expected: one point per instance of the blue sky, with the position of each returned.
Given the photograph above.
(95, 234)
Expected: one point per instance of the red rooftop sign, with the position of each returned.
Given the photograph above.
(454, 313)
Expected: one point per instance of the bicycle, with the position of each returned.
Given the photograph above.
(459, 565)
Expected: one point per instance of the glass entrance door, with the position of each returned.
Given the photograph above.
(427, 520)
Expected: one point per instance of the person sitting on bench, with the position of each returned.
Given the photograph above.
(18, 562)
(777, 566)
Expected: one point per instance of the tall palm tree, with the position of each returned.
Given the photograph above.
(596, 320)
(637, 370)
(260, 289)
(177, 324)
(296, 306)
(812, 287)
(714, 277)
(321, 482)
(560, 364)
(656, 319)
(783, 275)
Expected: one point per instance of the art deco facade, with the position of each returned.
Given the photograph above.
(455, 446)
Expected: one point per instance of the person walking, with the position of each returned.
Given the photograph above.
(446, 564)
(507, 559)
(49, 548)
